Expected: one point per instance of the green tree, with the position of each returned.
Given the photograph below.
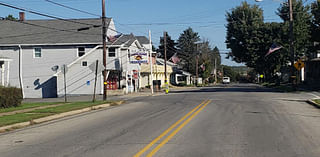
(244, 33)
(171, 47)
(10, 17)
(188, 49)
(229, 72)
(301, 27)
(315, 31)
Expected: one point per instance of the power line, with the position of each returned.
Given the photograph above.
(52, 28)
(45, 15)
(75, 9)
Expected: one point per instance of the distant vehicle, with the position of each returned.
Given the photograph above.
(226, 80)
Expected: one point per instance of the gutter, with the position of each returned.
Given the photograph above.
(20, 71)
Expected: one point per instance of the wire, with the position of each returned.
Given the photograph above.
(72, 8)
(45, 15)
(52, 28)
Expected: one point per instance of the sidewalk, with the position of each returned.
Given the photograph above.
(81, 98)
(111, 96)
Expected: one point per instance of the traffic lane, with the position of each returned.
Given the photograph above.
(244, 127)
(120, 131)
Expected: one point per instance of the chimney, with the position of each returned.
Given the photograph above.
(21, 16)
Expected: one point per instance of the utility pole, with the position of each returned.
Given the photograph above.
(291, 41)
(197, 75)
(95, 82)
(197, 62)
(150, 62)
(165, 62)
(215, 71)
(104, 31)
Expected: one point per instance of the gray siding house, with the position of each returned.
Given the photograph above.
(35, 50)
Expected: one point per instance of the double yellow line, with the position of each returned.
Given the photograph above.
(193, 113)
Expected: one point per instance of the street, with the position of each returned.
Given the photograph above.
(236, 120)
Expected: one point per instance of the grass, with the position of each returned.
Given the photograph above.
(317, 101)
(69, 107)
(20, 117)
(282, 87)
(39, 113)
(27, 106)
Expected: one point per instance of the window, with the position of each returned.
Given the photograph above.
(112, 52)
(37, 52)
(84, 63)
(81, 51)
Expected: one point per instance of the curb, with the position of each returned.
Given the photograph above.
(311, 102)
(53, 117)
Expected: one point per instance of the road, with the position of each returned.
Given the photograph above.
(241, 120)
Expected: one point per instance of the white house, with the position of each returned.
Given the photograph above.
(32, 53)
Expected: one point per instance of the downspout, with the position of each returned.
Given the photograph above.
(20, 71)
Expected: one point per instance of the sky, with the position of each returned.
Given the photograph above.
(207, 17)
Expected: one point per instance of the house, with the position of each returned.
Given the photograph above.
(36, 50)
(312, 69)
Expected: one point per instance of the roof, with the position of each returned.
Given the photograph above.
(126, 39)
(142, 39)
(15, 32)
(161, 62)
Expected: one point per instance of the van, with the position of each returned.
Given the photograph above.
(226, 80)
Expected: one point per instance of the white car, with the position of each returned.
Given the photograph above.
(226, 80)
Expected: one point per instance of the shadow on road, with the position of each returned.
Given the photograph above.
(230, 88)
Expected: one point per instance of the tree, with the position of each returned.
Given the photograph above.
(229, 72)
(171, 47)
(315, 25)
(244, 33)
(10, 17)
(207, 59)
(188, 49)
(301, 27)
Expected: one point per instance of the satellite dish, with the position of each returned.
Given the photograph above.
(55, 68)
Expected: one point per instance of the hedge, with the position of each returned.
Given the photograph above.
(10, 97)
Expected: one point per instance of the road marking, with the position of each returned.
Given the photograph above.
(168, 130)
(155, 150)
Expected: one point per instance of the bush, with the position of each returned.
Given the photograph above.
(10, 97)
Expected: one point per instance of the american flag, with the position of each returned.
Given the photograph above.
(203, 67)
(274, 47)
(175, 59)
(113, 38)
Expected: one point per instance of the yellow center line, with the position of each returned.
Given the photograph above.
(167, 131)
(155, 150)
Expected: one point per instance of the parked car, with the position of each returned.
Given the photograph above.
(226, 80)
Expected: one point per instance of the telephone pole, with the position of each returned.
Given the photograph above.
(291, 41)
(150, 62)
(104, 31)
(165, 62)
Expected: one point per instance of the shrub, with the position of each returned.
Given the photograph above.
(10, 97)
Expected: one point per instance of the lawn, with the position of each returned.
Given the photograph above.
(39, 113)
(317, 101)
(69, 107)
(20, 117)
(27, 106)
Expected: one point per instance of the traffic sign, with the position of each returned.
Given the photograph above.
(299, 65)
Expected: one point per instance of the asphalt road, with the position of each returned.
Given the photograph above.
(228, 121)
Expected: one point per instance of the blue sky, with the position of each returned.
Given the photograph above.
(207, 17)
